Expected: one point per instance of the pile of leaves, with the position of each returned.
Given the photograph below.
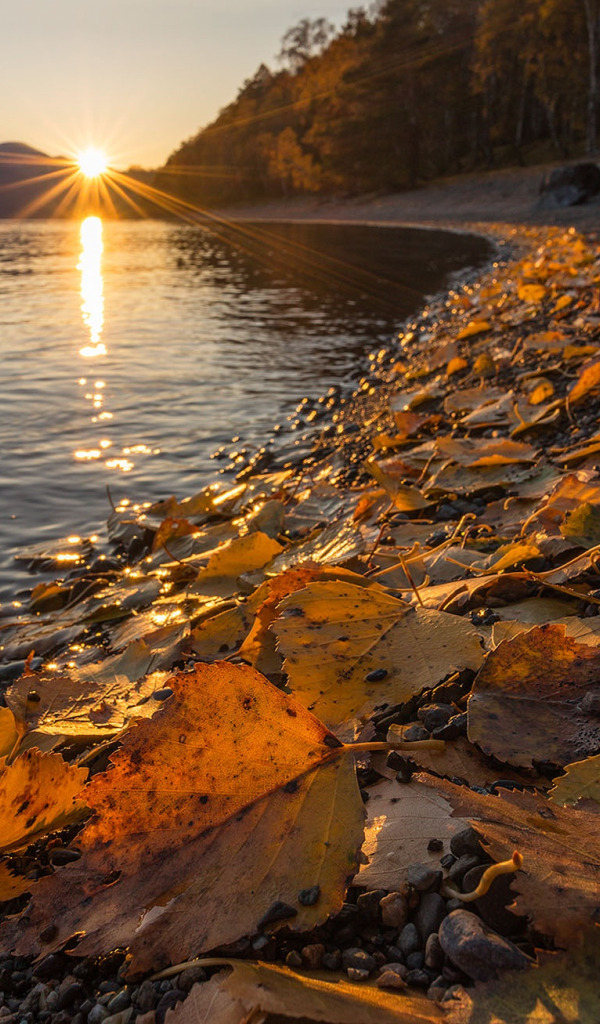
(202, 720)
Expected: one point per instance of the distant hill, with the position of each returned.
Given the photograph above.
(25, 182)
(29, 180)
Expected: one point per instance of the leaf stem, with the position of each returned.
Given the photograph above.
(354, 748)
(504, 867)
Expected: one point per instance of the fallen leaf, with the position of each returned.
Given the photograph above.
(581, 781)
(582, 525)
(12, 885)
(473, 328)
(588, 381)
(229, 562)
(319, 996)
(38, 794)
(525, 704)
(334, 635)
(404, 497)
(531, 292)
(269, 809)
(89, 703)
(401, 819)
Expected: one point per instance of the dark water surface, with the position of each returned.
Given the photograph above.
(130, 351)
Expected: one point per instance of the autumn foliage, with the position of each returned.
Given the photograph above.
(205, 755)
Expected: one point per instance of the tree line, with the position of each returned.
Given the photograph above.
(405, 91)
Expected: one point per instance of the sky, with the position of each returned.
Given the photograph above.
(134, 77)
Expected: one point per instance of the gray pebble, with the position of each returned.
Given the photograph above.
(355, 974)
(415, 960)
(293, 959)
(190, 977)
(419, 978)
(415, 733)
(466, 841)
(477, 950)
(429, 915)
(145, 999)
(332, 961)
(359, 959)
(408, 940)
(167, 1001)
(460, 867)
(97, 1014)
(434, 954)
(423, 877)
(435, 715)
(437, 989)
(120, 1001)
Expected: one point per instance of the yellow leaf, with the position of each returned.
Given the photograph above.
(456, 365)
(562, 302)
(588, 380)
(334, 635)
(531, 292)
(543, 390)
(318, 996)
(232, 798)
(581, 781)
(38, 794)
(473, 328)
(404, 497)
(11, 885)
(229, 562)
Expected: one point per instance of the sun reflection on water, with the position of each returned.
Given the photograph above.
(92, 294)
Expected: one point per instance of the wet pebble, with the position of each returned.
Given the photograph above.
(120, 1001)
(477, 950)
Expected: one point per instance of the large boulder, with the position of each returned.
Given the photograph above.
(569, 186)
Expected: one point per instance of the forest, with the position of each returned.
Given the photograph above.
(404, 92)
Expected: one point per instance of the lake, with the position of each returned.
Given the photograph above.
(131, 351)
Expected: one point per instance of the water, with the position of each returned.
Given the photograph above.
(131, 350)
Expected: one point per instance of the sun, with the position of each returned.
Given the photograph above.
(92, 162)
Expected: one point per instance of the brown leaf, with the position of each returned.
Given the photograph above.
(525, 705)
(220, 801)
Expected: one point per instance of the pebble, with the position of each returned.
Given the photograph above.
(460, 867)
(145, 999)
(415, 733)
(394, 910)
(466, 842)
(392, 976)
(415, 960)
(408, 940)
(97, 1014)
(423, 877)
(434, 954)
(433, 716)
(419, 978)
(448, 860)
(368, 903)
(477, 950)
(436, 990)
(355, 974)
(332, 961)
(190, 977)
(455, 727)
(359, 959)
(120, 1001)
(69, 991)
(312, 955)
(167, 1001)
(293, 958)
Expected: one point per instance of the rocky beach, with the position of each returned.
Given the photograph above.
(422, 585)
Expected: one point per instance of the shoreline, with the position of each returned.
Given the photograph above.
(449, 480)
